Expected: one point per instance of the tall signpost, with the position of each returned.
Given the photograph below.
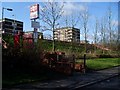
(34, 15)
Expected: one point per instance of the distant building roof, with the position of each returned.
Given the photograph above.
(32, 32)
(67, 28)
(7, 19)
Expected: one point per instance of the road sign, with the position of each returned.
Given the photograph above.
(35, 24)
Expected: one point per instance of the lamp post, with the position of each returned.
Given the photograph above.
(14, 25)
(9, 9)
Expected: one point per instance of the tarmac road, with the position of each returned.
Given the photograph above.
(79, 81)
(109, 84)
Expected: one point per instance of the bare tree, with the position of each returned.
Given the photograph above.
(103, 32)
(51, 12)
(66, 21)
(84, 21)
(118, 39)
(110, 25)
(72, 21)
(75, 18)
(112, 28)
(96, 34)
(114, 39)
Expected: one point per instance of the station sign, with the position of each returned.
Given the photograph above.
(34, 11)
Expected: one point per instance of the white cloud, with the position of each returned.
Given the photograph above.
(60, 0)
(114, 22)
(70, 8)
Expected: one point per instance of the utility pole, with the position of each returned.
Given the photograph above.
(9, 9)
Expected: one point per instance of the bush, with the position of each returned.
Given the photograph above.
(107, 56)
(25, 60)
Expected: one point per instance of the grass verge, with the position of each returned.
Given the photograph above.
(101, 63)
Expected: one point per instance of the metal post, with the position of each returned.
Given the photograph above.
(73, 63)
(3, 15)
(53, 41)
(14, 25)
(35, 36)
(2, 19)
(85, 63)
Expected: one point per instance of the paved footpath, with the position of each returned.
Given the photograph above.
(75, 81)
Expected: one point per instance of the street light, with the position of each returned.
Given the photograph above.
(14, 25)
(9, 9)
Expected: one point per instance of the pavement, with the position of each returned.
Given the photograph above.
(109, 84)
(77, 80)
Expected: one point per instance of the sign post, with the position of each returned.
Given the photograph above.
(84, 63)
(34, 14)
(35, 35)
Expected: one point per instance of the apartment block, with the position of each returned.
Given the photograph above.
(11, 25)
(68, 34)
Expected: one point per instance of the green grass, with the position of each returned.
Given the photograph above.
(61, 46)
(101, 63)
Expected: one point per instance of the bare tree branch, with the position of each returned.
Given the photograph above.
(51, 13)
(85, 16)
